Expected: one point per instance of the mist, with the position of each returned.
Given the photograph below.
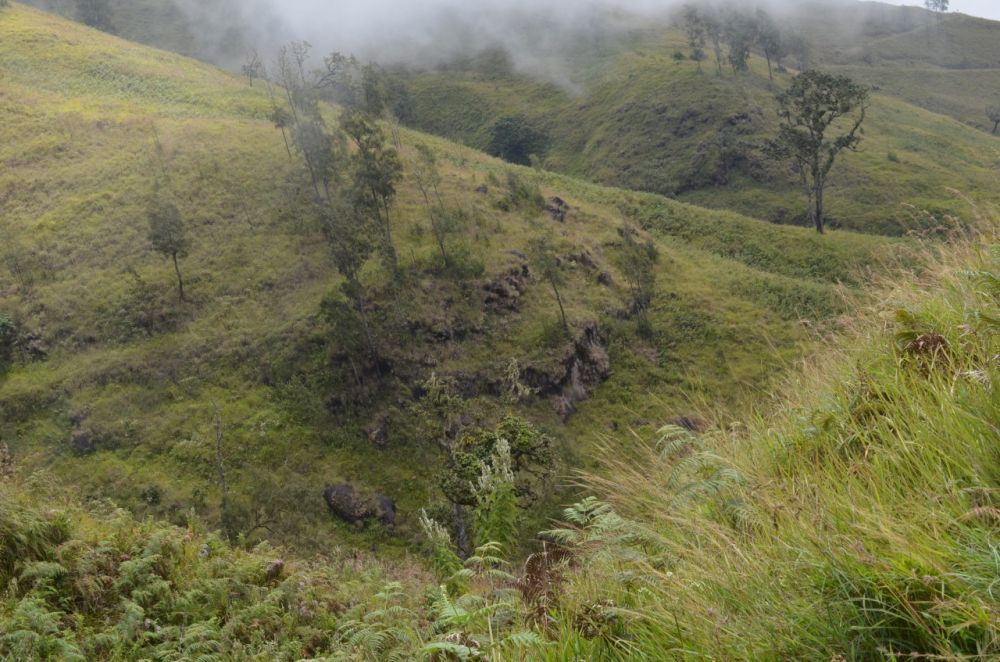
(536, 35)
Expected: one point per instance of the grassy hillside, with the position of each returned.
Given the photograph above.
(855, 521)
(116, 384)
(642, 120)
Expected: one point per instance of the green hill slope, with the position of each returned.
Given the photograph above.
(643, 120)
(116, 385)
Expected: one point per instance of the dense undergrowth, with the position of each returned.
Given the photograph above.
(858, 521)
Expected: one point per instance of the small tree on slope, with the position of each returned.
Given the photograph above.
(811, 109)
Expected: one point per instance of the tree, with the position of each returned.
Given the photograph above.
(993, 112)
(769, 40)
(166, 234)
(253, 67)
(427, 178)
(96, 14)
(937, 6)
(377, 170)
(548, 266)
(714, 31)
(815, 103)
(740, 34)
(694, 28)
(638, 262)
(515, 140)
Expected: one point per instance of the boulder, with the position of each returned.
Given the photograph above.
(356, 509)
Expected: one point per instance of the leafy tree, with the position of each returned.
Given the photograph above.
(96, 14)
(937, 6)
(531, 455)
(696, 32)
(253, 67)
(514, 139)
(714, 31)
(549, 268)
(993, 112)
(427, 178)
(377, 171)
(740, 34)
(167, 235)
(769, 40)
(816, 103)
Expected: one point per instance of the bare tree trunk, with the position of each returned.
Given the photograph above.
(770, 74)
(180, 281)
(461, 532)
(996, 125)
(562, 310)
(818, 209)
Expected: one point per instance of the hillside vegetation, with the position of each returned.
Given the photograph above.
(856, 522)
(639, 118)
(126, 392)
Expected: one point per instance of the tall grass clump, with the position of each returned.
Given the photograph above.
(859, 521)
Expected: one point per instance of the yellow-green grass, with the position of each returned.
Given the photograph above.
(91, 123)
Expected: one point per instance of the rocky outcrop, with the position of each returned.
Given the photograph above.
(504, 292)
(357, 510)
(585, 366)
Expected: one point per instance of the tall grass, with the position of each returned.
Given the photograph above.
(858, 521)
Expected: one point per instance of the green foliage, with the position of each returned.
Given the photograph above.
(168, 236)
(815, 103)
(515, 140)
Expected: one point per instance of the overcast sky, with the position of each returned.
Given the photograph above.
(986, 8)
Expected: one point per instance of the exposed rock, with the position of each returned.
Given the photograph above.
(345, 504)
(504, 292)
(558, 209)
(605, 278)
(274, 570)
(385, 510)
(82, 442)
(356, 509)
(585, 366)
(482, 189)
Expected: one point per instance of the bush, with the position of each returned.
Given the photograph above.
(514, 139)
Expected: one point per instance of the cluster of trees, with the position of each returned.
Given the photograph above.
(732, 33)
(96, 14)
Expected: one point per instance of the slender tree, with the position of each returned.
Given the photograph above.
(696, 32)
(377, 171)
(939, 7)
(427, 178)
(993, 112)
(814, 106)
(638, 262)
(547, 265)
(168, 237)
(253, 67)
(769, 40)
